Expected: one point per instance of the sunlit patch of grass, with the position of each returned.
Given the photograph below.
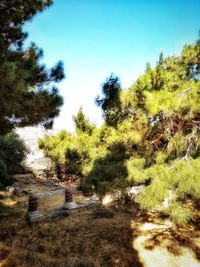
(9, 202)
(174, 245)
(156, 253)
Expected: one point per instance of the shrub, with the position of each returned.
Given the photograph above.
(12, 152)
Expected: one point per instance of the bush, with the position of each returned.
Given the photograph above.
(12, 152)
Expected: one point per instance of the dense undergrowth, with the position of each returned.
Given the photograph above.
(150, 136)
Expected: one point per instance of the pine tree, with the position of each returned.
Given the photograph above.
(110, 102)
(155, 140)
(82, 124)
(28, 94)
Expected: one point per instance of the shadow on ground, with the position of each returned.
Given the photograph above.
(82, 239)
(96, 236)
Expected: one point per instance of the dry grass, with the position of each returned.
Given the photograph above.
(78, 240)
(92, 237)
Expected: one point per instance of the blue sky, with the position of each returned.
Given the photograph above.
(96, 37)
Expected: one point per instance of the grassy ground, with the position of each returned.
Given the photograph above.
(95, 236)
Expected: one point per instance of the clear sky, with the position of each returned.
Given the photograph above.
(96, 37)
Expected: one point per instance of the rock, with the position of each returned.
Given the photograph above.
(56, 188)
(16, 185)
(54, 179)
(34, 216)
(94, 197)
(70, 205)
(87, 203)
(81, 205)
(51, 193)
(29, 191)
(53, 189)
(63, 177)
(49, 182)
(42, 180)
(10, 189)
(18, 191)
(58, 213)
(170, 197)
(135, 190)
(27, 181)
(23, 176)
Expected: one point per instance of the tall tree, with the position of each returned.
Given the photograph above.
(28, 94)
(110, 101)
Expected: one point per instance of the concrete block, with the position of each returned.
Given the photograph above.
(34, 216)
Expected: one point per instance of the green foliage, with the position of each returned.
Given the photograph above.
(179, 214)
(161, 157)
(110, 171)
(110, 102)
(152, 195)
(74, 151)
(82, 124)
(12, 152)
(151, 136)
(136, 173)
(27, 90)
(73, 161)
(183, 176)
(180, 177)
(55, 146)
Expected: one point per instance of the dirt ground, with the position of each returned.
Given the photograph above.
(96, 236)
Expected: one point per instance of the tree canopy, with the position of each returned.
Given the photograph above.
(28, 94)
(154, 140)
(109, 102)
(82, 124)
